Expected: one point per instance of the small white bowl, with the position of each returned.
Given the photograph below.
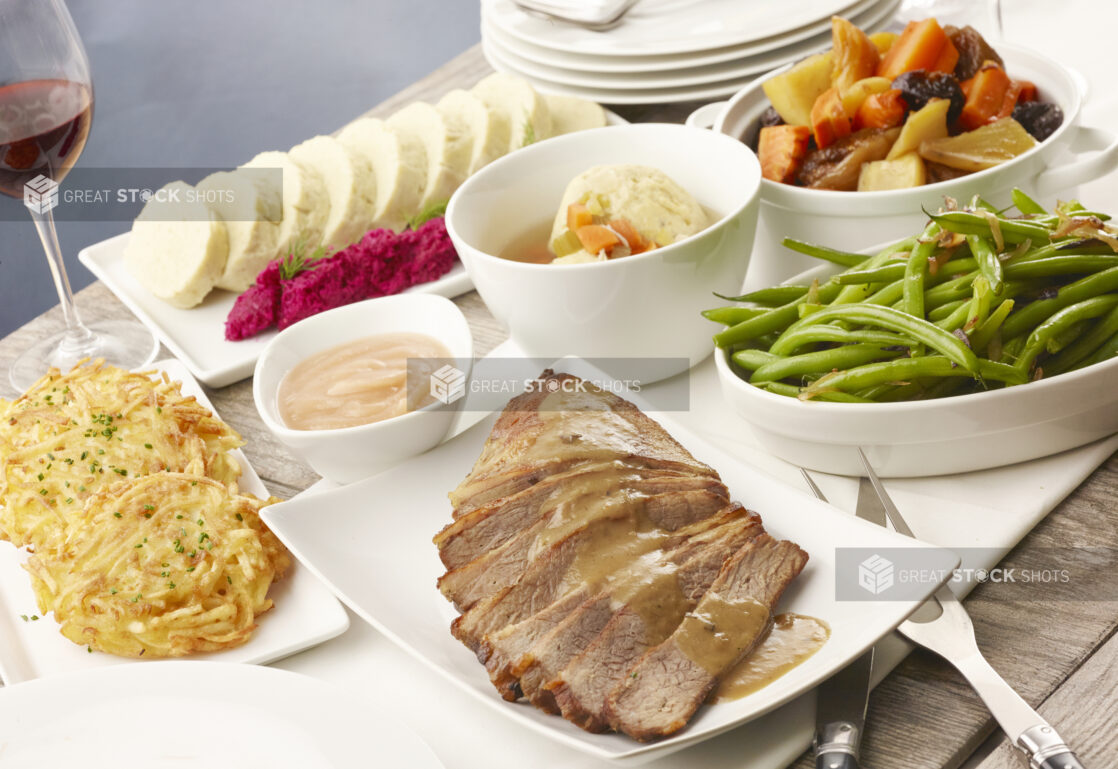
(931, 437)
(643, 306)
(349, 454)
(854, 220)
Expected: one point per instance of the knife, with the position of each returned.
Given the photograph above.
(840, 712)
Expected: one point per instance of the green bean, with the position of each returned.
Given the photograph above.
(988, 263)
(821, 361)
(941, 312)
(732, 315)
(980, 304)
(794, 392)
(752, 359)
(845, 258)
(1025, 204)
(1084, 288)
(980, 337)
(956, 319)
(1061, 320)
(906, 369)
(790, 342)
(884, 274)
(776, 319)
(1012, 230)
(894, 320)
(1084, 347)
(888, 294)
(1060, 265)
(1068, 247)
(1108, 350)
(915, 269)
(774, 296)
(951, 291)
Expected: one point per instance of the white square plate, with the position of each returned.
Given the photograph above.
(305, 613)
(197, 336)
(371, 542)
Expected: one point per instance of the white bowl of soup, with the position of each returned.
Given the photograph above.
(360, 388)
(642, 305)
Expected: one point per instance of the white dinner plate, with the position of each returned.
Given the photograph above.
(718, 90)
(660, 27)
(202, 715)
(682, 76)
(197, 336)
(305, 613)
(371, 541)
(770, 49)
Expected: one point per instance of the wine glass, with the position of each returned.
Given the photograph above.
(983, 15)
(46, 108)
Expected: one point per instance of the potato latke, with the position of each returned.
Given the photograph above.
(72, 434)
(162, 565)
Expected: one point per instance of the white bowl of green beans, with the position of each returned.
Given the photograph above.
(987, 339)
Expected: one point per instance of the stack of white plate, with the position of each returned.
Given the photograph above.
(666, 50)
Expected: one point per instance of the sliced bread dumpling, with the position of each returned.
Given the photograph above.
(447, 149)
(570, 114)
(487, 130)
(251, 210)
(306, 204)
(526, 110)
(399, 163)
(178, 246)
(350, 184)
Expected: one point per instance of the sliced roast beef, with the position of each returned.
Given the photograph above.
(643, 619)
(504, 565)
(561, 423)
(658, 695)
(563, 495)
(533, 650)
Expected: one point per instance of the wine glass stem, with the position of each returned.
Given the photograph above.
(76, 335)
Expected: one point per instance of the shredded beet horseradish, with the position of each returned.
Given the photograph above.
(380, 264)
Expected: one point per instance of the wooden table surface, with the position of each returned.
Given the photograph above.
(1061, 655)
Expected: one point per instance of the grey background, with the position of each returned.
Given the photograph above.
(183, 83)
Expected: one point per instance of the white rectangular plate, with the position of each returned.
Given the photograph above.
(305, 613)
(371, 542)
(197, 336)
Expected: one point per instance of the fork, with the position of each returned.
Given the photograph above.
(602, 13)
(943, 626)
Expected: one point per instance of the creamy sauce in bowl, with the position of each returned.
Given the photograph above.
(359, 382)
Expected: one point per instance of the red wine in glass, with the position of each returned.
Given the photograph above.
(43, 128)
(46, 110)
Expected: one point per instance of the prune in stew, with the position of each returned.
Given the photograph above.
(973, 51)
(918, 86)
(771, 117)
(1039, 118)
(837, 166)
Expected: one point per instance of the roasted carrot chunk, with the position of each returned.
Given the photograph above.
(578, 215)
(922, 45)
(1012, 94)
(985, 96)
(781, 150)
(881, 110)
(596, 238)
(829, 120)
(625, 229)
(1027, 90)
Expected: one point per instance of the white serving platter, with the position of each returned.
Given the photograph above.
(174, 714)
(197, 336)
(371, 542)
(305, 612)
